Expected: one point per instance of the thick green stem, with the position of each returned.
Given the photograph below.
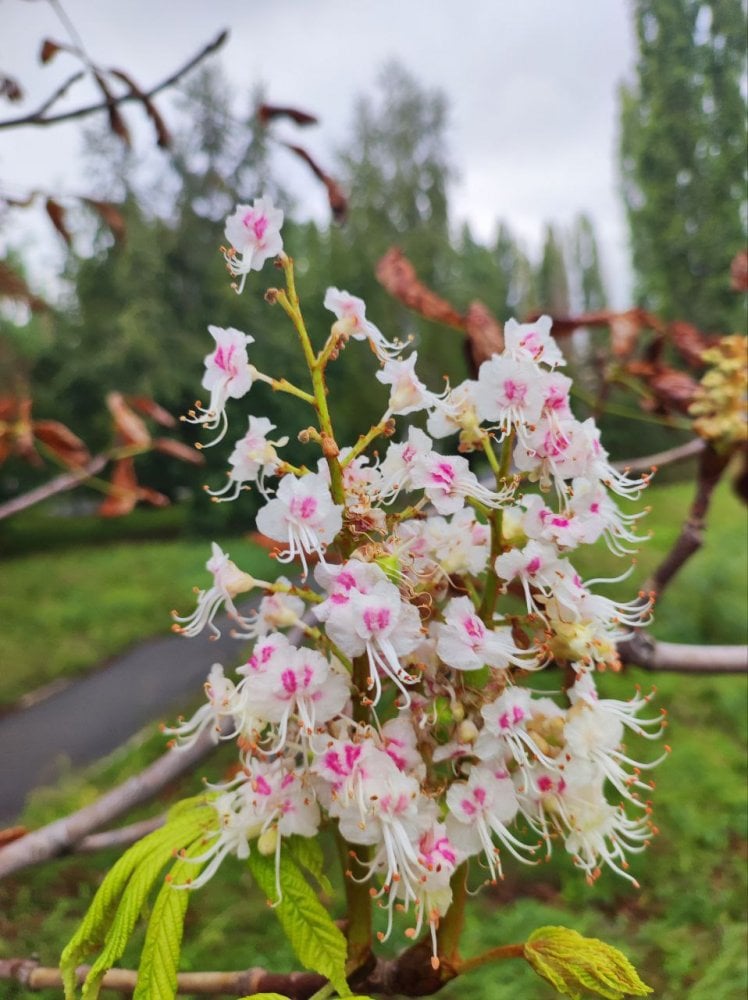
(450, 926)
(491, 592)
(358, 904)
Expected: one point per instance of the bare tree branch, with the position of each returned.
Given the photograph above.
(122, 836)
(38, 118)
(711, 467)
(641, 650)
(680, 453)
(296, 985)
(61, 483)
(64, 834)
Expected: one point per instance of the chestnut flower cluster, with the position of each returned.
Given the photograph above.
(407, 717)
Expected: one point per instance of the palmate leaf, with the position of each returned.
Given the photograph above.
(159, 960)
(117, 904)
(571, 963)
(307, 853)
(311, 931)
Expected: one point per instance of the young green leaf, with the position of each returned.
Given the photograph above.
(318, 943)
(307, 853)
(159, 960)
(571, 962)
(95, 929)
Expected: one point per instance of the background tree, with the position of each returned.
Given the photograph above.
(683, 157)
(552, 281)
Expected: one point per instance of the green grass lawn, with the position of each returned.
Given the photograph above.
(684, 929)
(66, 612)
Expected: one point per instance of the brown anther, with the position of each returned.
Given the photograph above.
(271, 296)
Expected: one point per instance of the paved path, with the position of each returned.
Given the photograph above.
(93, 716)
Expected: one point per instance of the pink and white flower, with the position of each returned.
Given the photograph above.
(408, 394)
(303, 514)
(448, 482)
(509, 394)
(465, 643)
(352, 322)
(228, 375)
(228, 582)
(532, 342)
(253, 458)
(254, 234)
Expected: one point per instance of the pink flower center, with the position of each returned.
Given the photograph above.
(514, 392)
(376, 619)
(303, 507)
(257, 223)
(533, 566)
(474, 628)
(223, 359)
(443, 474)
(289, 681)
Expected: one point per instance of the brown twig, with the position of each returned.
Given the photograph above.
(38, 118)
(65, 834)
(680, 453)
(295, 985)
(641, 650)
(711, 467)
(60, 484)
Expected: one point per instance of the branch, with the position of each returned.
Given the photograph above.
(678, 454)
(66, 481)
(123, 836)
(711, 467)
(37, 117)
(295, 985)
(641, 650)
(64, 834)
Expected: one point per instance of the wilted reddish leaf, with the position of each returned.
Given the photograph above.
(117, 124)
(485, 335)
(689, 341)
(335, 195)
(56, 213)
(11, 833)
(177, 449)
(124, 490)
(129, 426)
(163, 136)
(49, 50)
(149, 407)
(268, 112)
(153, 497)
(111, 216)
(13, 286)
(10, 88)
(739, 272)
(675, 389)
(398, 277)
(67, 446)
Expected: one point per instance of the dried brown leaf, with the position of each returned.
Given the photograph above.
(11, 833)
(13, 286)
(150, 408)
(689, 341)
(625, 328)
(163, 136)
(111, 216)
(66, 445)
(56, 214)
(177, 449)
(739, 272)
(10, 88)
(49, 50)
(124, 490)
(398, 277)
(128, 425)
(335, 196)
(268, 112)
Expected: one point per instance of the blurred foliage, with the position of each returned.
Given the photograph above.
(683, 145)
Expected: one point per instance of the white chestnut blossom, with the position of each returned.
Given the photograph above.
(398, 712)
(254, 234)
(303, 514)
(228, 375)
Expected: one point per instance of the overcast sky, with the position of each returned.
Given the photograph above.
(532, 87)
